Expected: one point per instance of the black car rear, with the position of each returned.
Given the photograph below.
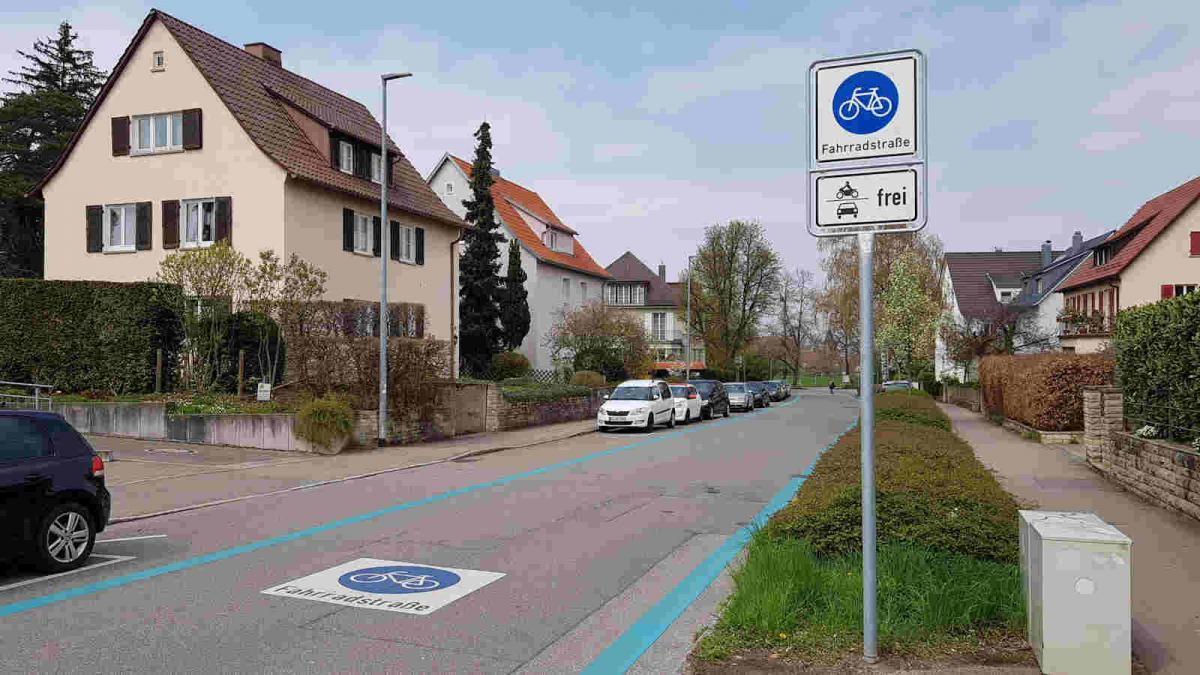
(762, 399)
(715, 398)
(52, 495)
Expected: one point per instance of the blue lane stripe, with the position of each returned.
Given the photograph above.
(623, 652)
(188, 563)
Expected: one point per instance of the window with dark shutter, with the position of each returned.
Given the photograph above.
(1168, 291)
(144, 237)
(170, 223)
(95, 228)
(120, 136)
(1195, 249)
(377, 239)
(394, 237)
(420, 246)
(348, 230)
(193, 129)
(224, 219)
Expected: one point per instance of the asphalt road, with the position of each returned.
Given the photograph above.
(589, 533)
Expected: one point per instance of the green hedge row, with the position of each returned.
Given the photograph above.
(1158, 363)
(89, 336)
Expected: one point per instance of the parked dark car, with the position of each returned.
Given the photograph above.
(761, 398)
(53, 500)
(777, 390)
(716, 400)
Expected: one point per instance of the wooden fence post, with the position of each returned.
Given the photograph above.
(241, 370)
(158, 374)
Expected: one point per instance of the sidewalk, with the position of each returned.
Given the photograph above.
(156, 477)
(1166, 546)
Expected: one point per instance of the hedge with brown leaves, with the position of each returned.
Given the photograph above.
(1043, 391)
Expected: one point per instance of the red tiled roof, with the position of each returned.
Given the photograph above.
(969, 273)
(629, 267)
(256, 91)
(506, 194)
(1147, 223)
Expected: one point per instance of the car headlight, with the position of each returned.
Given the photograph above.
(643, 409)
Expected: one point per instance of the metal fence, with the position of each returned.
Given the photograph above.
(1164, 421)
(25, 396)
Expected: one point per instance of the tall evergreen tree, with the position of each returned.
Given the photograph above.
(514, 301)
(53, 91)
(478, 277)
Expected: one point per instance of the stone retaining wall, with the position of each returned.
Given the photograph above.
(1043, 437)
(963, 397)
(503, 414)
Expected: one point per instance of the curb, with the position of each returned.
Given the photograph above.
(343, 479)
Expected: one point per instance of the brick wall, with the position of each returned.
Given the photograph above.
(1161, 472)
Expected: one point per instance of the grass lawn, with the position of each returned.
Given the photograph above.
(792, 602)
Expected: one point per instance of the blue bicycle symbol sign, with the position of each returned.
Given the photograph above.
(393, 579)
(865, 102)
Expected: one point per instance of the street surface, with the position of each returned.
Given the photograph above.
(589, 533)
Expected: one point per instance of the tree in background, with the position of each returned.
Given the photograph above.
(736, 285)
(797, 326)
(54, 89)
(479, 285)
(908, 319)
(600, 338)
(514, 301)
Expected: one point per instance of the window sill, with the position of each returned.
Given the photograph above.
(159, 69)
(147, 153)
(192, 247)
(119, 250)
(365, 254)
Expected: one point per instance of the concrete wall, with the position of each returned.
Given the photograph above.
(1085, 345)
(133, 420)
(228, 164)
(265, 432)
(965, 397)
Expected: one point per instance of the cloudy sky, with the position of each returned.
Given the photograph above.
(643, 126)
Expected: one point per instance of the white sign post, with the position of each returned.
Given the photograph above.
(866, 176)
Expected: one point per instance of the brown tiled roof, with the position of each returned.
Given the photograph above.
(969, 273)
(1135, 235)
(256, 92)
(506, 194)
(629, 267)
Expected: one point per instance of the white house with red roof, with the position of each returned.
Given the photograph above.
(1155, 255)
(561, 273)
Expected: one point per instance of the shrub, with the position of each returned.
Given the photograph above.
(588, 378)
(912, 417)
(507, 365)
(543, 392)
(322, 420)
(83, 335)
(1157, 358)
(1042, 390)
(260, 337)
(931, 491)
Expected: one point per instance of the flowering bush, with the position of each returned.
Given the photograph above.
(1147, 431)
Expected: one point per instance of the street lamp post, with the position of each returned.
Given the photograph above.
(687, 326)
(385, 233)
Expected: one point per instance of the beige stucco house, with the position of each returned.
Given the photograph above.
(661, 306)
(1155, 255)
(194, 140)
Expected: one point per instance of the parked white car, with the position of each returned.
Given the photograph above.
(689, 407)
(637, 403)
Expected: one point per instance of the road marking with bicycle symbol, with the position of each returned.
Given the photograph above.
(390, 585)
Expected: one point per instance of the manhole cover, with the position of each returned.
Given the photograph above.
(170, 451)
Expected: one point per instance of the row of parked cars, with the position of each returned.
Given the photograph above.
(644, 404)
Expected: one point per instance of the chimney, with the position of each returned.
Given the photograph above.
(1077, 241)
(662, 271)
(266, 52)
(495, 172)
(1047, 253)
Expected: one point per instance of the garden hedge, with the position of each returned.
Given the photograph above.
(1043, 391)
(89, 336)
(1158, 361)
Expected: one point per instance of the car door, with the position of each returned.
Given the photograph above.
(25, 475)
(666, 402)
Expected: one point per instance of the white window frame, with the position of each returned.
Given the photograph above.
(583, 292)
(158, 61)
(174, 139)
(199, 241)
(1103, 255)
(566, 289)
(363, 234)
(449, 188)
(376, 168)
(346, 157)
(408, 244)
(654, 333)
(1184, 289)
(128, 228)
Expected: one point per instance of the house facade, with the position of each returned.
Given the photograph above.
(661, 307)
(1039, 296)
(1155, 255)
(193, 140)
(561, 274)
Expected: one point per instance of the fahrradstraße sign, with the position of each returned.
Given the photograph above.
(866, 109)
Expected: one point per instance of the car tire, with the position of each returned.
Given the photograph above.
(602, 429)
(687, 416)
(649, 423)
(706, 413)
(671, 420)
(726, 410)
(73, 520)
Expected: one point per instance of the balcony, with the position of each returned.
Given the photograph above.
(672, 336)
(1079, 325)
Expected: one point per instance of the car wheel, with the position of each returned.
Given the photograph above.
(649, 423)
(602, 429)
(64, 538)
(671, 420)
(727, 410)
(687, 416)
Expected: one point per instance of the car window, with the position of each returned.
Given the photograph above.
(679, 391)
(664, 390)
(705, 388)
(66, 441)
(632, 394)
(20, 438)
(736, 388)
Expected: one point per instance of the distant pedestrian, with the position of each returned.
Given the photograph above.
(831, 386)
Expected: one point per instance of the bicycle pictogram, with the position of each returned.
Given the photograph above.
(399, 579)
(865, 99)
(413, 582)
(865, 102)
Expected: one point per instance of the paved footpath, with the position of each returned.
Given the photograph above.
(1166, 546)
(599, 539)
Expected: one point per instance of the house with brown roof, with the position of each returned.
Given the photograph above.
(661, 306)
(193, 140)
(1155, 255)
(561, 273)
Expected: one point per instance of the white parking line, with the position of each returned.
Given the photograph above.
(144, 536)
(113, 559)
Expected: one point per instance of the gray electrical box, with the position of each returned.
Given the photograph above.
(1076, 576)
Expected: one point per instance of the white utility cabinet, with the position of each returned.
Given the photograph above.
(1076, 576)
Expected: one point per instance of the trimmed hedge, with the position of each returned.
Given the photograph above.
(588, 378)
(1158, 360)
(1043, 391)
(542, 393)
(507, 365)
(931, 491)
(83, 335)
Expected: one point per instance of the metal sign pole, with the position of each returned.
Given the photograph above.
(866, 426)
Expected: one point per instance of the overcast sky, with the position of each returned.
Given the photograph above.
(640, 127)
